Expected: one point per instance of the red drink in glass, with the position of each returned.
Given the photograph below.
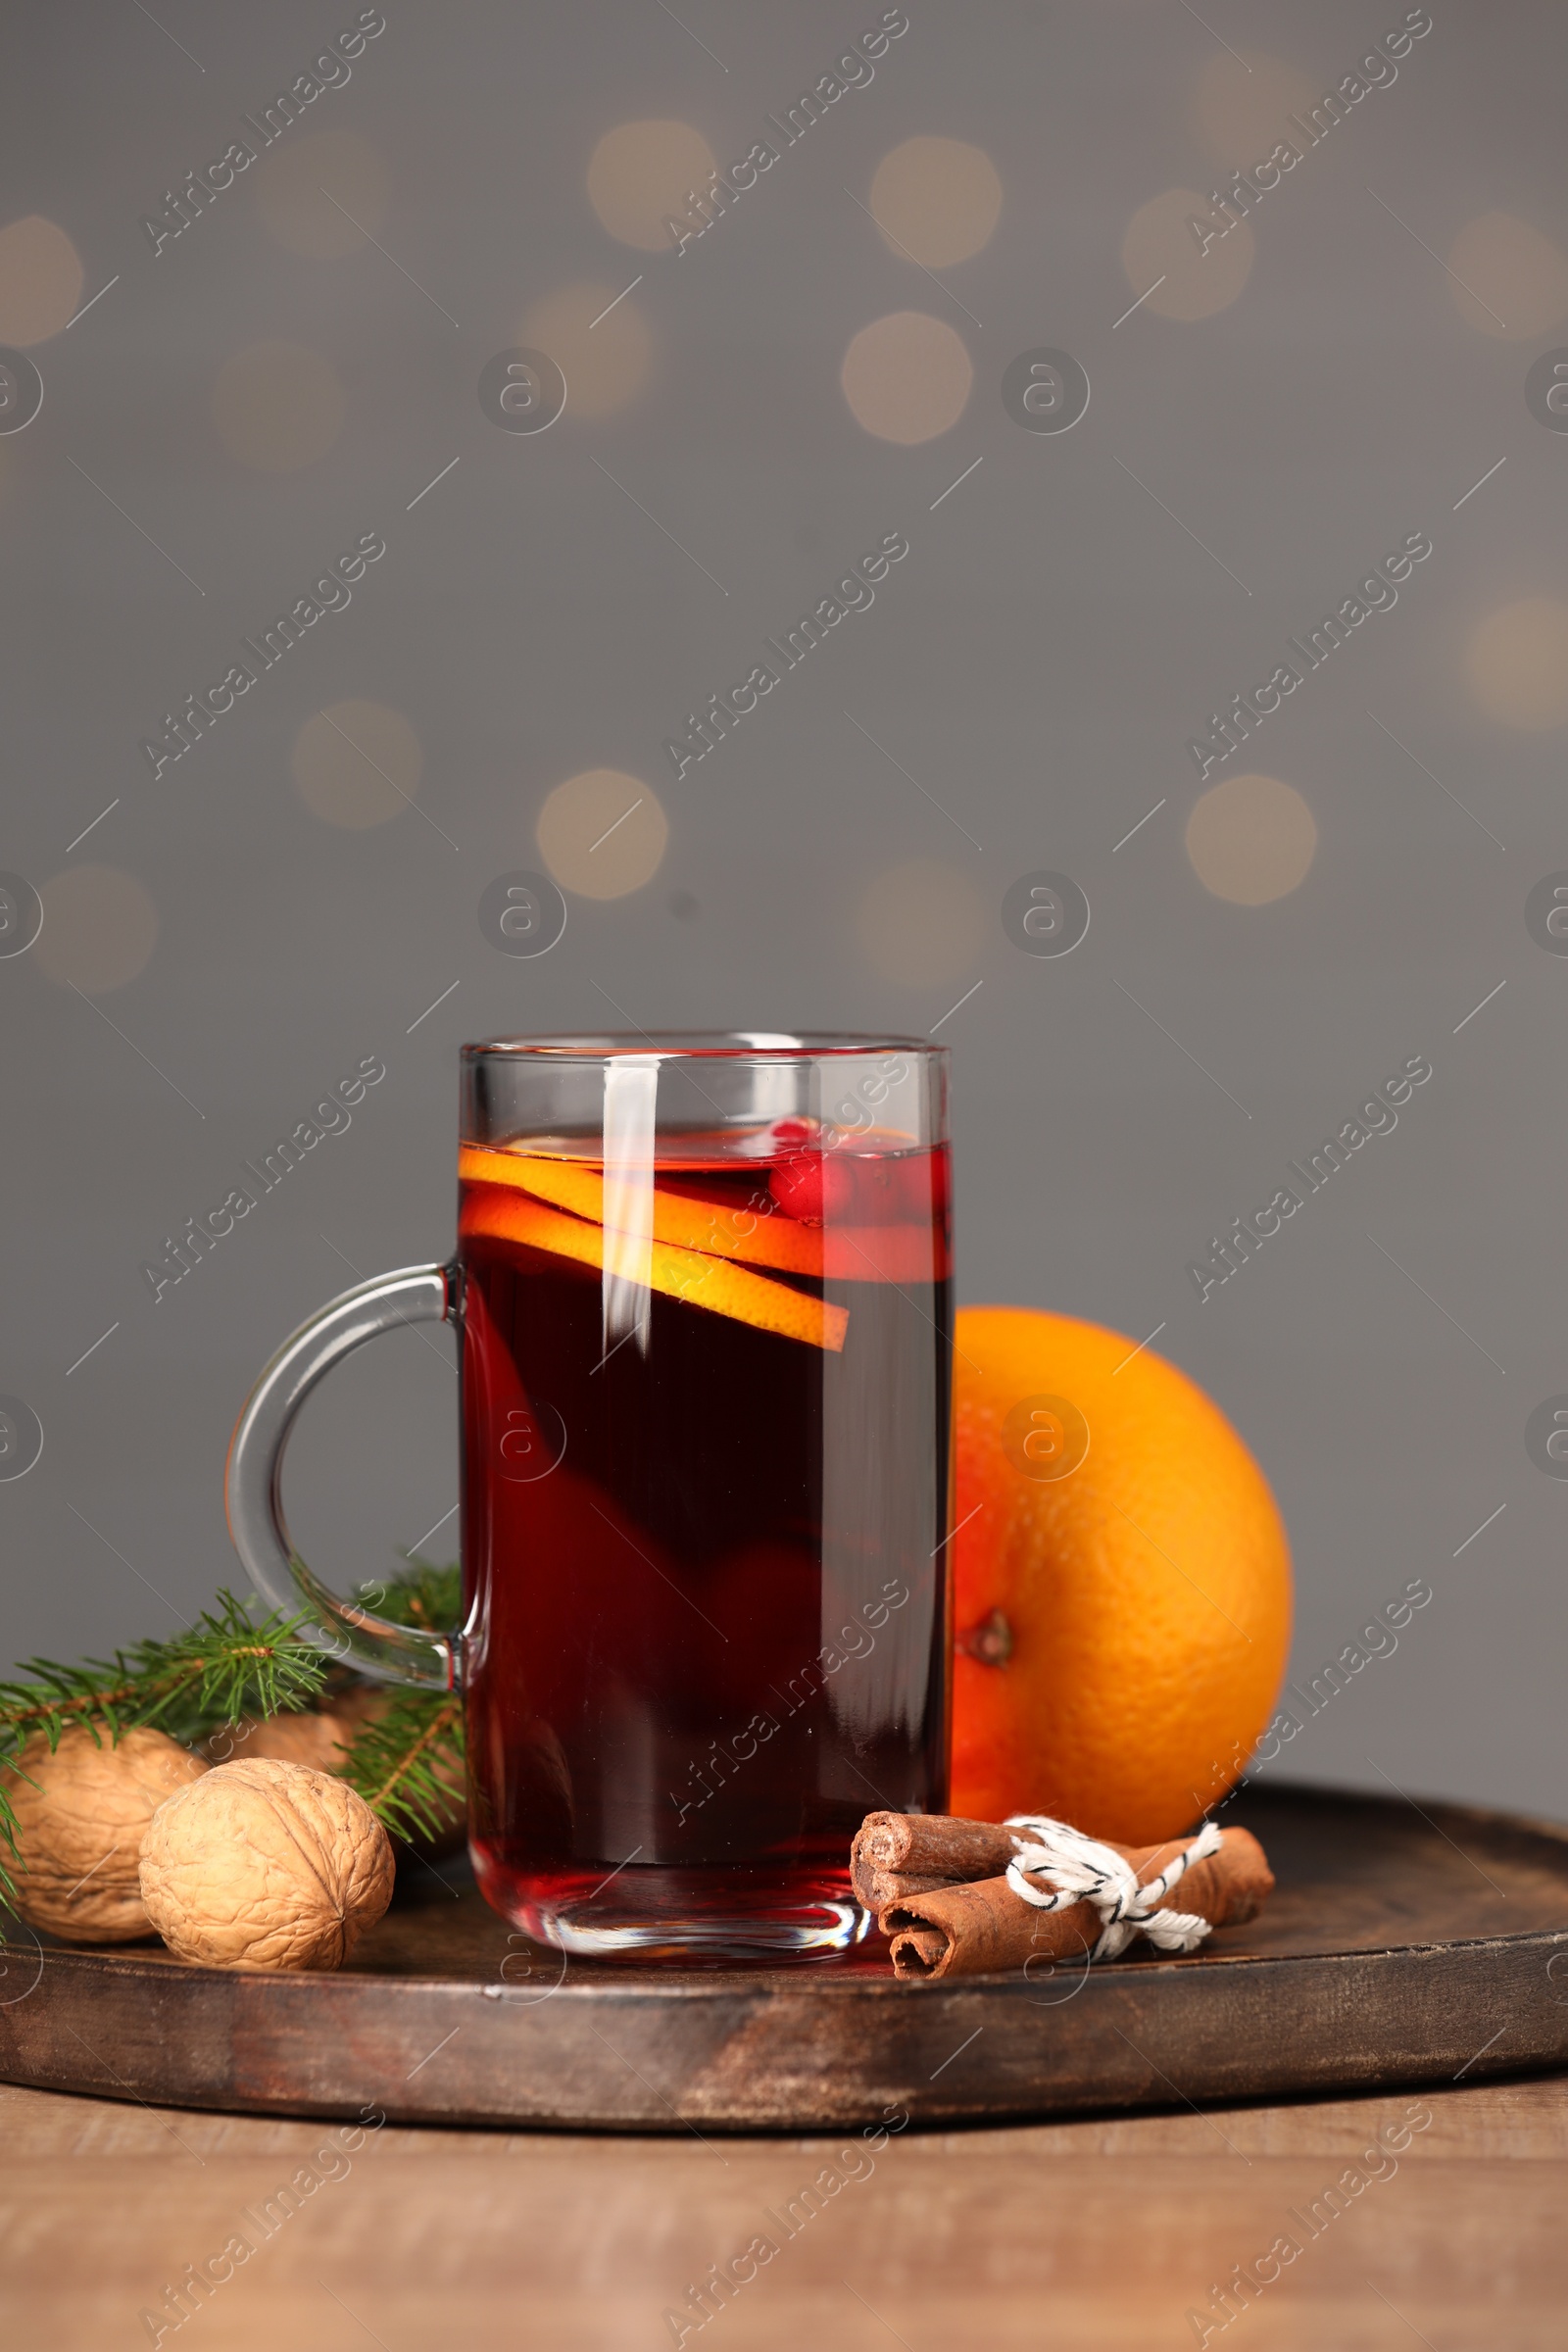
(706, 1549)
(705, 1295)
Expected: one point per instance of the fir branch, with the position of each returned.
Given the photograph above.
(227, 1665)
(408, 1763)
(231, 1665)
(424, 1596)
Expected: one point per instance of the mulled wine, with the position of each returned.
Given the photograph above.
(704, 1511)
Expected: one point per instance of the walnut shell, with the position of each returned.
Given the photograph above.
(321, 1740)
(80, 1819)
(315, 1739)
(263, 1864)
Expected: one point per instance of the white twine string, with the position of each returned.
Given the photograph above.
(1085, 1871)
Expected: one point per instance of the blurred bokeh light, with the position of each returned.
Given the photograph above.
(356, 763)
(1517, 663)
(100, 927)
(295, 189)
(1508, 280)
(1240, 106)
(922, 923)
(278, 406)
(602, 352)
(641, 174)
(936, 200)
(603, 834)
(40, 280)
(1252, 840)
(906, 377)
(1191, 279)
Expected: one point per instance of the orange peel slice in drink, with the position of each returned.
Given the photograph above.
(689, 1224)
(848, 1252)
(714, 1283)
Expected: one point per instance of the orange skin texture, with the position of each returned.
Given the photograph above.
(1147, 1592)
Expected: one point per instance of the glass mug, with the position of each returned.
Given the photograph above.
(703, 1294)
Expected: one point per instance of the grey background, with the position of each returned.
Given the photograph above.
(1036, 663)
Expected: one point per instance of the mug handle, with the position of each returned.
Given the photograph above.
(253, 1483)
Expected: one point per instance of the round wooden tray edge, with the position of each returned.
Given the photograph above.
(1347, 2079)
(1129, 2049)
(769, 1982)
(775, 2051)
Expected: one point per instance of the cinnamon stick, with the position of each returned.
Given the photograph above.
(966, 1930)
(900, 1854)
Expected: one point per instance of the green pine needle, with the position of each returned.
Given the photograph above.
(229, 1664)
(408, 1763)
(424, 1596)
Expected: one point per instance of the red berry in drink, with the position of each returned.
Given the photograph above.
(878, 1193)
(841, 1190)
(797, 1186)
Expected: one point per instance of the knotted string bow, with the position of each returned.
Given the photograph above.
(1085, 1871)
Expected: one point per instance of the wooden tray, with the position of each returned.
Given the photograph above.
(1403, 1945)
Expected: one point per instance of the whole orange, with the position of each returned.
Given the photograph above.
(1123, 1582)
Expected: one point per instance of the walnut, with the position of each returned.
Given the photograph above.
(263, 1864)
(315, 1739)
(322, 1739)
(80, 1817)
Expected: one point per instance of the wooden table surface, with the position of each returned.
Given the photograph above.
(1100, 2234)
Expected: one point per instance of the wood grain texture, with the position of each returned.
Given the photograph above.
(1402, 1946)
(1101, 2233)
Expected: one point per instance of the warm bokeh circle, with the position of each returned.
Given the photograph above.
(99, 929)
(641, 176)
(324, 196)
(357, 763)
(936, 200)
(1169, 267)
(278, 406)
(1508, 278)
(603, 834)
(600, 345)
(906, 377)
(41, 279)
(1252, 840)
(922, 922)
(1516, 663)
